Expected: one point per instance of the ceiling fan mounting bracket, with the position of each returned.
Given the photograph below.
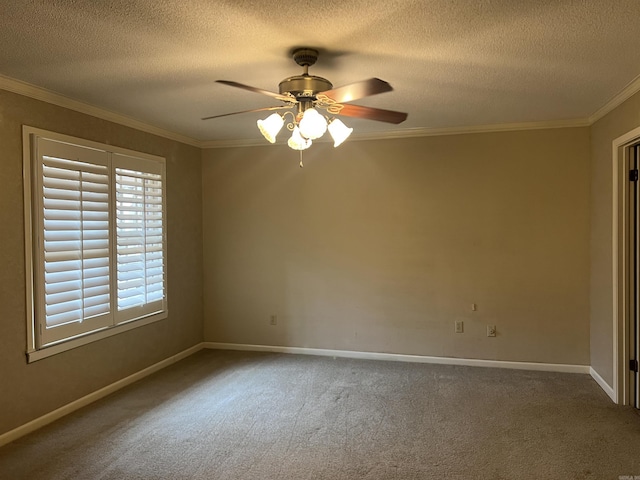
(305, 57)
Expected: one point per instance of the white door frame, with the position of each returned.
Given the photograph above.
(621, 320)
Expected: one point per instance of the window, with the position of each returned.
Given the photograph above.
(96, 240)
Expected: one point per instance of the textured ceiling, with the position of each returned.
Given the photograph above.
(451, 63)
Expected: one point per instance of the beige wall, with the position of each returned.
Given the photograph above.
(621, 120)
(381, 245)
(31, 390)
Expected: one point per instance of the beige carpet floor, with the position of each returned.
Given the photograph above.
(240, 415)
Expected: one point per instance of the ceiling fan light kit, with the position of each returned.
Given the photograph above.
(271, 126)
(308, 94)
(339, 131)
(312, 125)
(297, 141)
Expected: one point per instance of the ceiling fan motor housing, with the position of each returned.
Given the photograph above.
(304, 85)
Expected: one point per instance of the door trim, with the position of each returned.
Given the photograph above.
(620, 264)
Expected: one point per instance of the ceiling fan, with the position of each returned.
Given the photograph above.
(308, 96)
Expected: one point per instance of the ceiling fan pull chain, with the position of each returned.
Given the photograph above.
(301, 164)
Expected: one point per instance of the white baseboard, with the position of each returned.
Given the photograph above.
(40, 422)
(604, 385)
(546, 367)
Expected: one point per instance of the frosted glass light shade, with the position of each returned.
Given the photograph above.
(339, 131)
(270, 126)
(297, 141)
(313, 125)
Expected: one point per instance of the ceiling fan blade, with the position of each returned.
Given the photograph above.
(378, 114)
(357, 90)
(248, 111)
(253, 89)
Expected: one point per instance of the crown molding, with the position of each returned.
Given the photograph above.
(501, 127)
(626, 93)
(421, 132)
(39, 93)
(247, 142)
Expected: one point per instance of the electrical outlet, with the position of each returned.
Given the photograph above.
(459, 326)
(273, 320)
(491, 330)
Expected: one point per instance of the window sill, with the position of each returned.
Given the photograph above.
(44, 352)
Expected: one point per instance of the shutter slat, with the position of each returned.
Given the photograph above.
(62, 246)
(94, 206)
(68, 225)
(93, 275)
(64, 307)
(154, 272)
(132, 282)
(54, 267)
(90, 311)
(55, 320)
(63, 163)
(61, 235)
(50, 257)
(68, 216)
(62, 194)
(95, 225)
(65, 296)
(132, 273)
(97, 280)
(96, 300)
(61, 204)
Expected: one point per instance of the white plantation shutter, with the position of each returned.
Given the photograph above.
(98, 240)
(139, 237)
(74, 219)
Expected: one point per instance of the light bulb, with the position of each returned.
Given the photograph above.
(313, 125)
(297, 141)
(270, 126)
(339, 131)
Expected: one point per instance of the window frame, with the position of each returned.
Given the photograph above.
(32, 167)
